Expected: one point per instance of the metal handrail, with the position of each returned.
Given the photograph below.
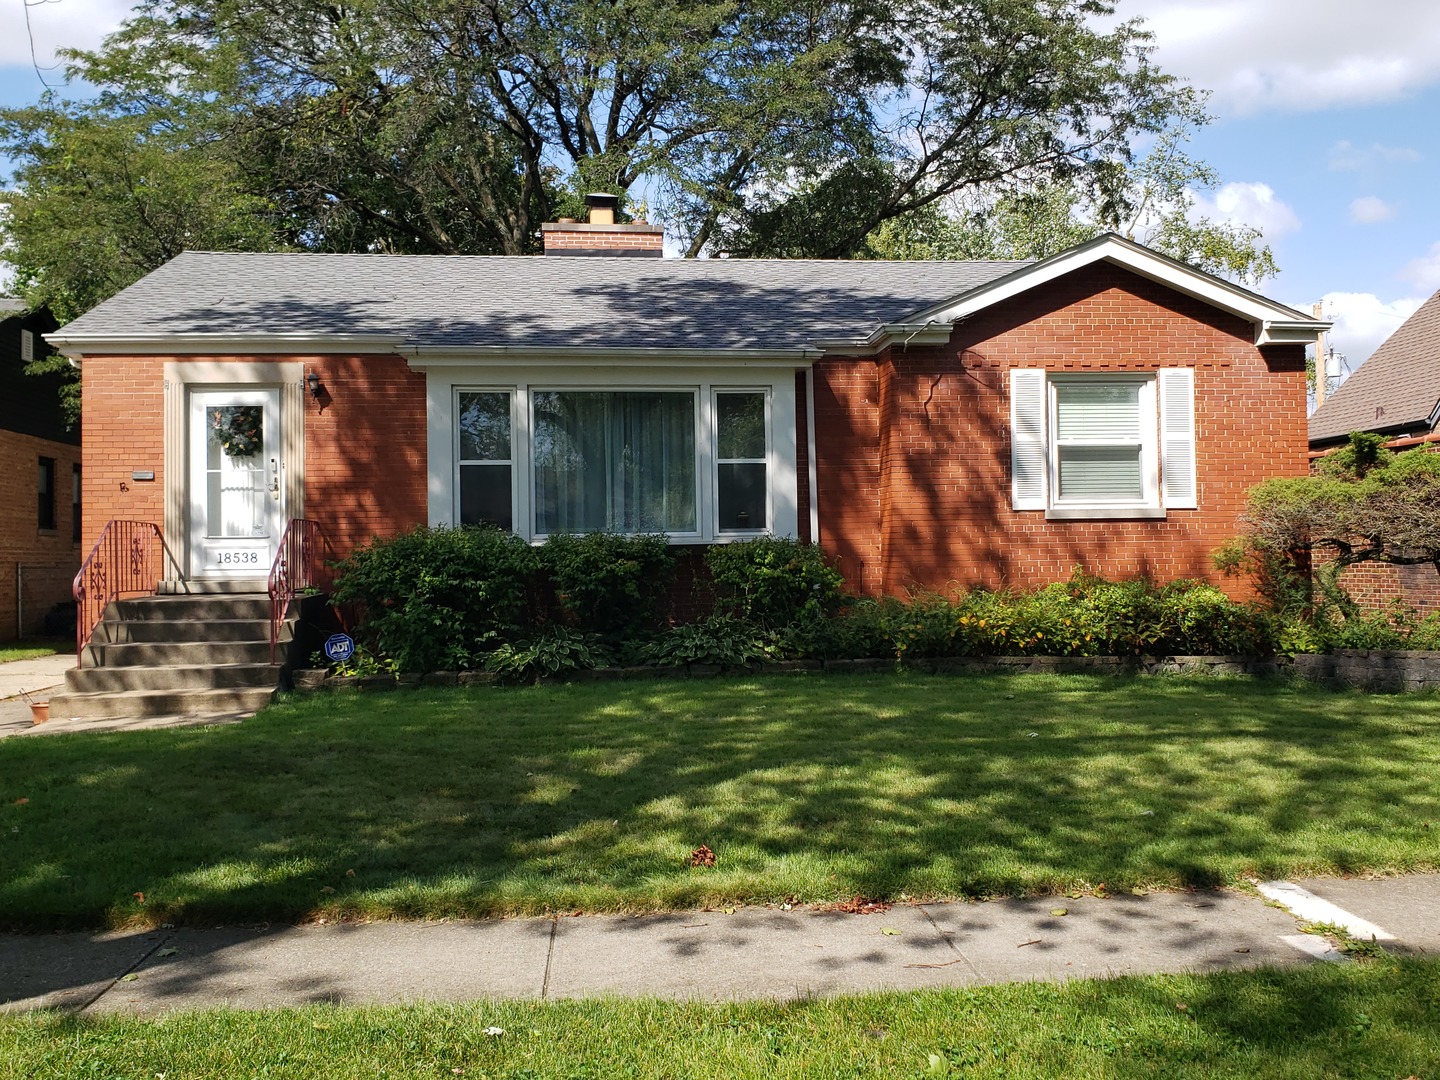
(297, 567)
(118, 565)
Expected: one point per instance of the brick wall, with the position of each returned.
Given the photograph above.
(914, 447)
(364, 449)
(1377, 586)
(39, 562)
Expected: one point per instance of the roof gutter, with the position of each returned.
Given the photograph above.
(77, 346)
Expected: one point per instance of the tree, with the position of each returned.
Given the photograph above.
(1364, 504)
(1154, 204)
(753, 126)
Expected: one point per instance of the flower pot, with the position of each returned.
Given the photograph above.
(39, 711)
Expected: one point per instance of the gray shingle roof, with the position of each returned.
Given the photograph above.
(1396, 389)
(532, 301)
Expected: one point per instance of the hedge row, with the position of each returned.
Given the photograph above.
(465, 598)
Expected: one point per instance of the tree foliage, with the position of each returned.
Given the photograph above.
(1363, 504)
(750, 127)
(1153, 203)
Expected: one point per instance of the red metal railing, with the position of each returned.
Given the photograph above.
(127, 560)
(297, 567)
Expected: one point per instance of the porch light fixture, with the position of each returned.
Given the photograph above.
(312, 382)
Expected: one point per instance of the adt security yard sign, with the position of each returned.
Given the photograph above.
(339, 647)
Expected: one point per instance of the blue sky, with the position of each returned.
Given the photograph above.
(1326, 134)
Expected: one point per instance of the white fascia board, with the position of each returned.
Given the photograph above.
(1274, 323)
(907, 333)
(77, 346)
(434, 357)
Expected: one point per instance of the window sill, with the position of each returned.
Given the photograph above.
(1105, 513)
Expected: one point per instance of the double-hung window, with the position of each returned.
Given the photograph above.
(742, 489)
(1111, 445)
(487, 462)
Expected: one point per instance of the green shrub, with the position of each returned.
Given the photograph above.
(720, 639)
(612, 585)
(774, 583)
(555, 651)
(437, 599)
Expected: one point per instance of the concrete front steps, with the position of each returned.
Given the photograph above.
(200, 655)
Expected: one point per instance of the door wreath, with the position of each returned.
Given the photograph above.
(239, 429)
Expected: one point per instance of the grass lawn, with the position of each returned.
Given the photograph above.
(29, 650)
(592, 797)
(1378, 1019)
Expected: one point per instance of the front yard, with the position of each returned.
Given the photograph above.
(592, 797)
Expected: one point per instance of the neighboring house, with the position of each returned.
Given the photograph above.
(1395, 393)
(930, 424)
(39, 481)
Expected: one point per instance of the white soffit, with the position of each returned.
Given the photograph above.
(1274, 323)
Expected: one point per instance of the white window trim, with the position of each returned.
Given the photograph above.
(716, 461)
(443, 385)
(1148, 505)
(1168, 448)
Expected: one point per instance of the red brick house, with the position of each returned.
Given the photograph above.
(39, 481)
(930, 424)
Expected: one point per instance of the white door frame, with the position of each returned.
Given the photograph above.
(184, 379)
(243, 492)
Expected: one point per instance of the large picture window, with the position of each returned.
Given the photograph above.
(614, 461)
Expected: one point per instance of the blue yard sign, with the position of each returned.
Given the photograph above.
(339, 647)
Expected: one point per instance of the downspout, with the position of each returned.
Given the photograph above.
(811, 467)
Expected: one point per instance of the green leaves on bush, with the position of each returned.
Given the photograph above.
(435, 599)
(612, 585)
(555, 651)
(775, 583)
(720, 639)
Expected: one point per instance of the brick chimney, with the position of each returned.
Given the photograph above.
(601, 236)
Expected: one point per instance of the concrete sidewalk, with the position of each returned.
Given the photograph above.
(705, 955)
(34, 677)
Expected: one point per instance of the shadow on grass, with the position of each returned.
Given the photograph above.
(591, 797)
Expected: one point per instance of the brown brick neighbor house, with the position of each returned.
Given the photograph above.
(39, 481)
(1395, 393)
(930, 424)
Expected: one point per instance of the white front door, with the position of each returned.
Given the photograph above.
(236, 485)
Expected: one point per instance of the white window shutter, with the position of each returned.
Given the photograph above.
(1029, 461)
(1177, 437)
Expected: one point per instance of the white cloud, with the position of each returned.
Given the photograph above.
(1363, 321)
(78, 24)
(1252, 204)
(1345, 156)
(1296, 54)
(1424, 272)
(1368, 210)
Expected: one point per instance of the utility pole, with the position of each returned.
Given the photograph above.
(1318, 311)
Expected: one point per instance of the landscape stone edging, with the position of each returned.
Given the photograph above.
(1366, 669)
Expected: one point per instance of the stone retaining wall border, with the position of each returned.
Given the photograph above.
(1385, 670)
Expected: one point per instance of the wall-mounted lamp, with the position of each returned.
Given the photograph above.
(312, 383)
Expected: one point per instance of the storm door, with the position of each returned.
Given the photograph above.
(236, 487)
